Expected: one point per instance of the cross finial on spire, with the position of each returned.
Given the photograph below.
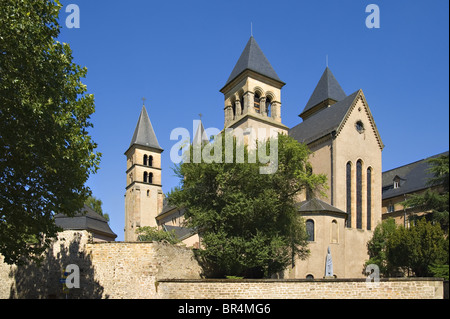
(251, 28)
(200, 116)
(143, 101)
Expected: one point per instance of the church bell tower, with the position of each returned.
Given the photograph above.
(253, 92)
(143, 196)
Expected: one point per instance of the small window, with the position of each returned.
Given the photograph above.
(257, 102)
(241, 100)
(145, 160)
(268, 107)
(334, 232)
(145, 177)
(391, 208)
(310, 229)
(150, 178)
(359, 127)
(150, 161)
(309, 276)
(148, 193)
(396, 184)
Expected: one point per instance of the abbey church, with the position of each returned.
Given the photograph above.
(346, 146)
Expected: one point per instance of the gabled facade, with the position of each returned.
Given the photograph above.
(346, 146)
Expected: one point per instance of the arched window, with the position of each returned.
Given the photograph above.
(334, 232)
(150, 160)
(310, 229)
(145, 177)
(309, 276)
(359, 194)
(145, 160)
(369, 198)
(256, 103)
(268, 106)
(150, 178)
(241, 99)
(349, 194)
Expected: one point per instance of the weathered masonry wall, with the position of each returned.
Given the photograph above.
(107, 270)
(402, 288)
(162, 271)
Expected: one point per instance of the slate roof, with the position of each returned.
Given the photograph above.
(316, 205)
(252, 58)
(323, 122)
(144, 134)
(413, 177)
(87, 220)
(327, 88)
(180, 232)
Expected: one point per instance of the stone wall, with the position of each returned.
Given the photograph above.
(162, 271)
(131, 270)
(402, 288)
(107, 270)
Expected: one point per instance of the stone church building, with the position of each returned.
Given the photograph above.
(346, 146)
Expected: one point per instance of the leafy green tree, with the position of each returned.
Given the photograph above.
(46, 153)
(147, 233)
(247, 221)
(96, 205)
(417, 248)
(376, 247)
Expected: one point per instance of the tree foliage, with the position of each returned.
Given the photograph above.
(96, 205)
(46, 153)
(376, 247)
(417, 248)
(147, 233)
(247, 221)
(420, 250)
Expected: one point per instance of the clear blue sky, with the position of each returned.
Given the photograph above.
(179, 54)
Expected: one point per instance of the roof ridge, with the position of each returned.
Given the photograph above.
(415, 162)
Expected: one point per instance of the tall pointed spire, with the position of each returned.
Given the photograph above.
(200, 135)
(144, 134)
(327, 90)
(252, 58)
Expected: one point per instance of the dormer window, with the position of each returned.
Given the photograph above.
(396, 182)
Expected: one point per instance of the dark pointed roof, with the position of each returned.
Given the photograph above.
(144, 134)
(327, 88)
(252, 58)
